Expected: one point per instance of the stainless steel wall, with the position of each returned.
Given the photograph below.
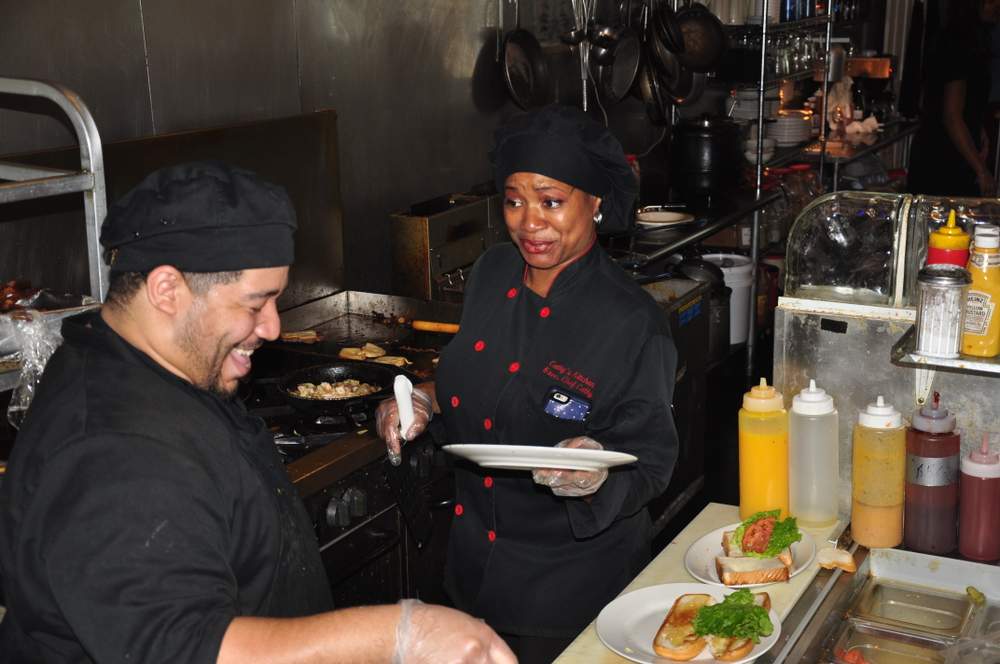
(415, 85)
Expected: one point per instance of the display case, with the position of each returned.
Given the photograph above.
(850, 291)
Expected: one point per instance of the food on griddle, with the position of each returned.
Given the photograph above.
(366, 352)
(342, 389)
(303, 337)
(394, 360)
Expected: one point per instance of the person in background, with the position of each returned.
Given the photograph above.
(950, 151)
(145, 515)
(557, 347)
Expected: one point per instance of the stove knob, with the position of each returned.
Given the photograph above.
(338, 513)
(357, 501)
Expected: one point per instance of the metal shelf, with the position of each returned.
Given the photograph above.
(904, 355)
(788, 26)
(30, 182)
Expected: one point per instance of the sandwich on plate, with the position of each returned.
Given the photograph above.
(758, 551)
(729, 628)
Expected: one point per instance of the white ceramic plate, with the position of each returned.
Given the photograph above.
(661, 219)
(518, 457)
(628, 624)
(700, 557)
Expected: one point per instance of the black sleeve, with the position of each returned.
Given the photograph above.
(132, 540)
(641, 423)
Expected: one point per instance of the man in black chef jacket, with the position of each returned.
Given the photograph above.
(145, 516)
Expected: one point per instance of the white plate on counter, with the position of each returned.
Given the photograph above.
(700, 557)
(519, 457)
(628, 624)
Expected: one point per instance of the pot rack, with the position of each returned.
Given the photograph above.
(24, 182)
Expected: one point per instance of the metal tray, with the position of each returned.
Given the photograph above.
(879, 647)
(913, 608)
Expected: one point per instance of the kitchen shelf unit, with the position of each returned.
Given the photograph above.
(20, 182)
(824, 23)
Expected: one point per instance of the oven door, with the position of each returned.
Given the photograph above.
(366, 565)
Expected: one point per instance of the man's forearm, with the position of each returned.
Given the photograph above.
(364, 635)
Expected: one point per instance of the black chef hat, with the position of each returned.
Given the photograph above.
(200, 217)
(564, 143)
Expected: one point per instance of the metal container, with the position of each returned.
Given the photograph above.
(705, 155)
(941, 309)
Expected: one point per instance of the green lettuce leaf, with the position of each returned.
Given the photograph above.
(735, 617)
(785, 534)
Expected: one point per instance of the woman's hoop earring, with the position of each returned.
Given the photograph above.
(598, 218)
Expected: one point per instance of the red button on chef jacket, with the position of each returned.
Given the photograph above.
(492, 535)
(454, 402)
(512, 293)
(459, 509)
(488, 482)
(487, 424)
(544, 312)
(514, 366)
(479, 345)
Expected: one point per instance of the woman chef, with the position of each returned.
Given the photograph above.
(557, 347)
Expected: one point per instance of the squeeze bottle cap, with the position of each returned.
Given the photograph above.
(763, 398)
(982, 462)
(950, 236)
(880, 415)
(932, 418)
(812, 401)
(987, 237)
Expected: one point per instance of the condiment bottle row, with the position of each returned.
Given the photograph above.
(908, 484)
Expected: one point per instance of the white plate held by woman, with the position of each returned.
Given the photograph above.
(628, 624)
(700, 557)
(519, 457)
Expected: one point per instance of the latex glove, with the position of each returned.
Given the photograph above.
(387, 422)
(572, 483)
(429, 634)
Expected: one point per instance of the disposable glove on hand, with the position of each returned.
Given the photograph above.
(572, 483)
(429, 634)
(387, 422)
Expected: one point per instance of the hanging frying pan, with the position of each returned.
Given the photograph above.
(704, 38)
(525, 69)
(688, 88)
(665, 27)
(615, 66)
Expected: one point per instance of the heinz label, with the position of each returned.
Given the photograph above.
(978, 312)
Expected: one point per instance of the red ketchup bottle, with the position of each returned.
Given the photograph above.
(979, 520)
(931, 509)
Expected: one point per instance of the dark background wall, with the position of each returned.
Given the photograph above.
(415, 86)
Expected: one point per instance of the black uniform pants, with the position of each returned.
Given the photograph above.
(536, 649)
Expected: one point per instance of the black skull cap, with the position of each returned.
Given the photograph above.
(200, 217)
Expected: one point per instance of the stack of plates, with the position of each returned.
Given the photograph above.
(746, 105)
(790, 130)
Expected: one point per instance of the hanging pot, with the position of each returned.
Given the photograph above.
(665, 27)
(615, 57)
(525, 68)
(705, 39)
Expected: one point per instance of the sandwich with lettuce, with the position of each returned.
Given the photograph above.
(758, 550)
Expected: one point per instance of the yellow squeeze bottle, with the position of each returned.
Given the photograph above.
(763, 426)
(981, 335)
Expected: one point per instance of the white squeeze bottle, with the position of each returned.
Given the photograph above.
(813, 460)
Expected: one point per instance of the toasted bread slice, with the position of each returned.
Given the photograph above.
(732, 549)
(728, 649)
(349, 353)
(371, 350)
(830, 558)
(394, 360)
(741, 571)
(676, 639)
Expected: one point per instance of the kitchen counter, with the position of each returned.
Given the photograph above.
(668, 567)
